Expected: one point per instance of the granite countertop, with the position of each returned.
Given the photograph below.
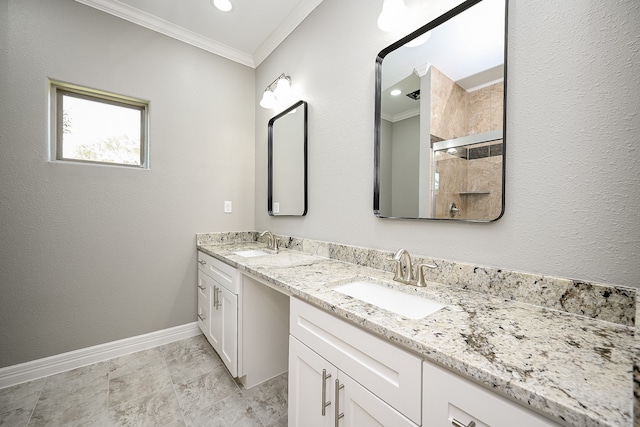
(570, 367)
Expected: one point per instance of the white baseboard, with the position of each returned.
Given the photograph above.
(23, 372)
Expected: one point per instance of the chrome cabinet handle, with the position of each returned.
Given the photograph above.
(457, 423)
(202, 288)
(216, 297)
(201, 261)
(218, 291)
(201, 317)
(325, 377)
(338, 413)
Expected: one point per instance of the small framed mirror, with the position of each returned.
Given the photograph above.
(287, 146)
(440, 118)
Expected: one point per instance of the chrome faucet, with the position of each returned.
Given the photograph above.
(272, 242)
(405, 274)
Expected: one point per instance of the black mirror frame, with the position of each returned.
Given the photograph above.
(270, 156)
(378, 106)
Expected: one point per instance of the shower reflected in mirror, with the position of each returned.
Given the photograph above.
(439, 123)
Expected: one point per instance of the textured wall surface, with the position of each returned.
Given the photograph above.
(92, 254)
(572, 146)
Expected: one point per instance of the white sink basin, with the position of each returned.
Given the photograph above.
(409, 306)
(252, 253)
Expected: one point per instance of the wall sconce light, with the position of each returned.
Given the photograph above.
(394, 14)
(281, 92)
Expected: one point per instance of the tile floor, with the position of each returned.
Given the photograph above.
(183, 383)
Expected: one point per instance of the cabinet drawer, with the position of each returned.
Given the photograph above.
(448, 396)
(393, 374)
(222, 273)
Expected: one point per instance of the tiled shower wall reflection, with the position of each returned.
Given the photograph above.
(471, 177)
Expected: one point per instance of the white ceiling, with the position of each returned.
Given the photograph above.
(247, 34)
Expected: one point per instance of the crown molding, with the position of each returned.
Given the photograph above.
(144, 19)
(295, 18)
(401, 116)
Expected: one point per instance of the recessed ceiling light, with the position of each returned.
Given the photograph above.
(395, 92)
(223, 5)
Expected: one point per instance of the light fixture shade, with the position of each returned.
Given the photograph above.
(394, 14)
(283, 88)
(278, 96)
(268, 99)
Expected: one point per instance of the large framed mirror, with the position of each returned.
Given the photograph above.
(287, 157)
(440, 118)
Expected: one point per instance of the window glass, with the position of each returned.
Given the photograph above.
(99, 128)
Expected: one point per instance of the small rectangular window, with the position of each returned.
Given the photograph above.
(92, 126)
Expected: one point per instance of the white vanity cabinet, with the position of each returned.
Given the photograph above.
(245, 320)
(218, 285)
(449, 399)
(341, 375)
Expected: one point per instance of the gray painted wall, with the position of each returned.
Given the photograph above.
(92, 254)
(405, 167)
(573, 175)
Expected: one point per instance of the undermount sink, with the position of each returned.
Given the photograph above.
(252, 253)
(409, 306)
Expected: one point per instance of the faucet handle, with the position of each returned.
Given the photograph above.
(421, 282)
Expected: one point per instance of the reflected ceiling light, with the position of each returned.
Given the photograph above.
(281, 92)
(395, 92)
(394, 14)
(223, 5)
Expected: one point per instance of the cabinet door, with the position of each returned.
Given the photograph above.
(214, 324)
(227, 314)
(306, 385)
(361, 408)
